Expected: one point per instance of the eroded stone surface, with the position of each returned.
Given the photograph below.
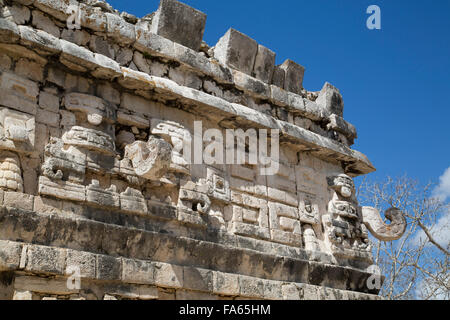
(94, 166)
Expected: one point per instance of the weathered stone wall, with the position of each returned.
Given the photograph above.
(92, 176)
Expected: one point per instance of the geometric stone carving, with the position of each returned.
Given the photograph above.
(17, 130)
(308, 209)
(61, 164)
(236, 50)
(309, 236)
(132, 201)
(90, 139)
(10, 173)
(175, 134)
(285, 224)
(180, 23)
(219, 185)
(250, 216)
(96, 109)
(101, 197)
(151, 159)
(193, 203)
(62, 189)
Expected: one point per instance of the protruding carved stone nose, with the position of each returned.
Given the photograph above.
(380, 230)
(151, 159)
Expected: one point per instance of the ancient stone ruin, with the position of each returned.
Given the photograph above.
(98, 198)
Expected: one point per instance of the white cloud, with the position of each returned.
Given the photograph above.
(440, 231)
(442, 191)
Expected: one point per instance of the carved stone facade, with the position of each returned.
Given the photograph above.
(95, 174)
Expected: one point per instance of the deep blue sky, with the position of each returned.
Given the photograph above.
(395, 81)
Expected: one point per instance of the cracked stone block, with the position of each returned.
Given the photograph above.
(236, 50)
(180, 23)
(331, 99)
(264, 64)
(293, 78)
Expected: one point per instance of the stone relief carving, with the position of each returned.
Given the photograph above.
(380, 230)
(174, 133)
(17, 130)
(151, 160)
(349, 224)
(10, 172)
(193, 203)
(346, 232)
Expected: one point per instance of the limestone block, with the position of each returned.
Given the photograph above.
(57, 286)
(236, 50)
(132, 120)
(18, 200)
(47, 117)
(46, 42)
(108, 268)
(90, 139)
(10, 172)
(22, 295)
(73, 55)
(226, 283)
(180, 23)
(102, 197)
(79, 37)
(251, 287)
(96, 109)
(168, 275)
(285, 224)
(42, 22)
(20, 14)
(331, 99)
(161, 210)
(137, 271)
(9, 32)
(272, 290)
(107, 68)
(264, 64)
(62, 189)
(250, 84)
(293, 78)
(119, 29)
(197, 279)
(108, 93)
(48, 101)
(10, 253)
(93, 18)
(278, 77)
(56, 8)
(12, 85)
(30, 69)
(46, 259)
(132, 201)
(101, 45)
(86, 262)
(17, 131)
(153, 43)
(5, 62)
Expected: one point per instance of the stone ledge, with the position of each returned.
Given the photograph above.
(156, 274)
(154, 44)
(54, 231)
(104, 67)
